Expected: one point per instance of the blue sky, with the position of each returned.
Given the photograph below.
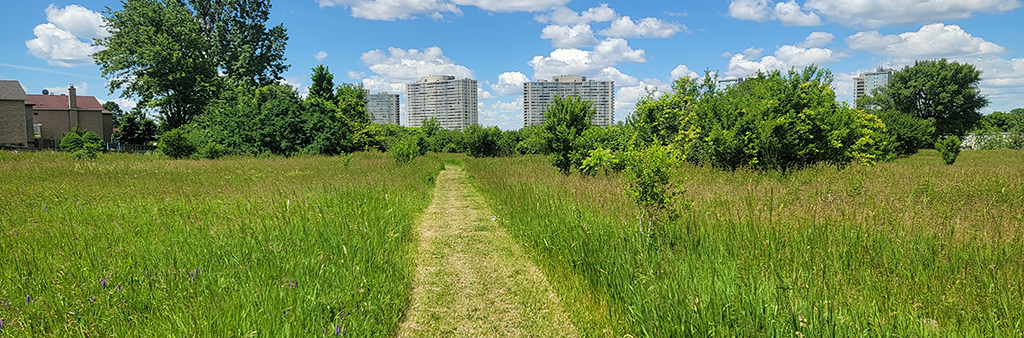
(641, 45)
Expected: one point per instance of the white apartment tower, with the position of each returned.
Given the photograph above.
(452, 102)
(867, 82)
(539, 94)
(383, 108)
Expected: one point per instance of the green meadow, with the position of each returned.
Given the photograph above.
(911, 248)
(130, 245)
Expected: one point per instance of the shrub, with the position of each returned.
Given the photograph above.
(482, 142)
(406, 149)
(92, 143)
(565, 120)
(599, 159)
(212, 150)
(949, 148)
(649, 185)
(908, 132)
(177, 144)
(71, 141)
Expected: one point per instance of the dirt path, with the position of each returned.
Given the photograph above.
(472, 279)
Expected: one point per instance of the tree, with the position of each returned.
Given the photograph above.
(171, 54)
(323, 83)
(775, 122)
(245, 50)
(940, 89)
(351, 99)
(155, 53)
(483, 142)
(135, 127)
(565, 120)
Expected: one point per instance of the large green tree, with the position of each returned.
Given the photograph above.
(946, 91)
(177, 55)
(323, 83)
(565, 120)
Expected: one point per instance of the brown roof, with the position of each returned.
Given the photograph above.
(11, 90)
(61, 102)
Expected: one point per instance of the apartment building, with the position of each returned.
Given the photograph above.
(539, 94)
(383, 108)
(452, 102)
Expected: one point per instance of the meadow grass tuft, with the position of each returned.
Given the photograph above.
(130, 245)
(912, 248)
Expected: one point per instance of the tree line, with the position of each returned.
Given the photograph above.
(212, 70)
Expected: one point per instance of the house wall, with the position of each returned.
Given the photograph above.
(56, 123)
(12, 122)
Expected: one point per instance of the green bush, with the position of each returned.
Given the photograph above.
(773, 122)
(599, 159)
(565, 121)
(406, 149)
(177, 144)
(949, 148)
(908, 132)
(71, 141)
(483, 142)
(648, 183)
(212, 150)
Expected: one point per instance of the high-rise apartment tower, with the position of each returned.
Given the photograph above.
(452, 102)
(539, 94)
(867, 82)
(383, 108)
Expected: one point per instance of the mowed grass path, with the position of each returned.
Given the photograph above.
(472, 279)
(141, 246)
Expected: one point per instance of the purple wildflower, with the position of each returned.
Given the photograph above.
(103, 283)
(120, 287)
(1, 323)
(5, 302)
(342, 315)
(28, 300)
(337, 330)
(93, 299)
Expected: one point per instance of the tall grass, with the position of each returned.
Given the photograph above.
(913, 248)
(140, 246)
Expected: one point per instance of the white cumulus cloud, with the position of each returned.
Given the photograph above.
(390, 10)
(624, 27)
(60, 41)
(510, 83)
(931, 41)
(871, 14)
(571, 61)
(320, 56)
(569, 36)
(565, 16)
(683, 71)
(392, 72)
(816, 39)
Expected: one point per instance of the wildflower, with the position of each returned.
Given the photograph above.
(28, 300)
(5, 302)
(337, 330)
(1, 323)
(93, 299)
(120, 287)
(103, 283)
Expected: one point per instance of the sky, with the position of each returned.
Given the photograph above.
(641, 45)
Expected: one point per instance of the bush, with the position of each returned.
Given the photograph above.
(177, 144)
(949, 148)
(406, 149)
(482, 142)
(565, 121)
(774, 122)
(212, 150)
(649, 185)
(599, 159)
(71, 141)
(92, 143)
(908, 132)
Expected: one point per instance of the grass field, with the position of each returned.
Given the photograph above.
(912, 248)
(130, 245)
